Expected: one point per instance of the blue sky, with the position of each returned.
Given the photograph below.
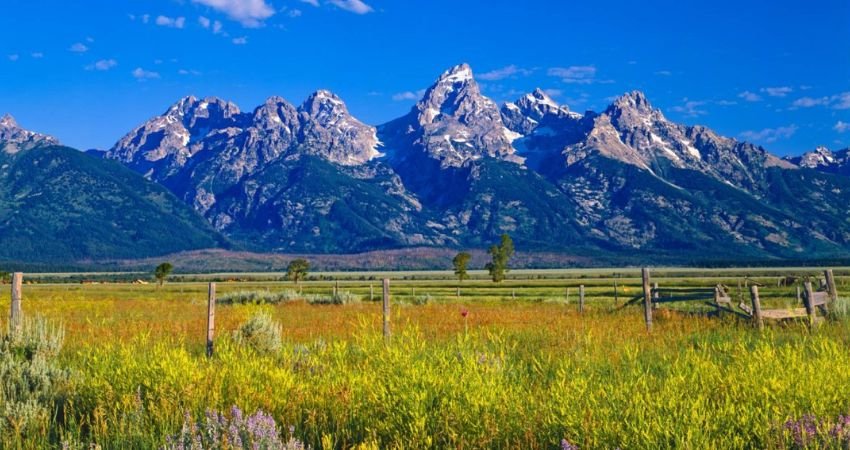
(776, 73)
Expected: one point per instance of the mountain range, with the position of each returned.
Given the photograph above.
(456, 171)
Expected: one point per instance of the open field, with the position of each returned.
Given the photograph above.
(522, 370)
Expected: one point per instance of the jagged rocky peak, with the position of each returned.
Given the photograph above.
(454, 123)
(13, 138)
(276, 112)
(330, 131)
(819, 157)
(633, 110)
(526, 114)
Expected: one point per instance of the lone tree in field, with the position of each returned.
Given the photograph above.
(501, 254)
(297, 270)
(162, 272)
(460, 262)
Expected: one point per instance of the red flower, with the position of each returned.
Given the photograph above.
(464, 313)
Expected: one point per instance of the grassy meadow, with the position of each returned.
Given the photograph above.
(512, 365)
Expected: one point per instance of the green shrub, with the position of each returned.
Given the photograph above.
(260, 333)
(258, 297)
(31, 381)
(340, 298)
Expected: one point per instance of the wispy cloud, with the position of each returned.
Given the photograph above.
(691, 108)
(142, 74)
(37, 55)
(79, 47)
(841, 127)
(574, 74)
(240, 40)
(841, 101)
(355, 6)
(311, 2)
(780, 91)
(664, 73)
(13, 57)
(837, 101)
(750, 96)
(214, 25)
(189, 72)
(504, 72)
(102, 65)
(409, 95)
(769, 135)
(808, 102)
(250, 13)
(553, 92)
(171, 22)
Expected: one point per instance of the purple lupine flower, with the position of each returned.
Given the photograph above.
(566, 445)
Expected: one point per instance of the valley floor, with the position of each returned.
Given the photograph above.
(513, 365)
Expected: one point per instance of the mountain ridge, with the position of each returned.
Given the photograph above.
(458, 170)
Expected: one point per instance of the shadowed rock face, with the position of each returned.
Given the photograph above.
(13, 138)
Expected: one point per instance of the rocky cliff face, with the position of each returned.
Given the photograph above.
(458, 170)
(13, 138)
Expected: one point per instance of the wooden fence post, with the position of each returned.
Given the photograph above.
(386, 308)
(808, 302)
(830, 284)
(581, 298)
(647, 299)
(799, 294)
(210, 319)
(513, 294)
(336, 288)
(754, 294)
(457, 294)
(16, 312)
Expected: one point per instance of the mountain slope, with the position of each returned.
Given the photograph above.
(280, 178)
(58, 204)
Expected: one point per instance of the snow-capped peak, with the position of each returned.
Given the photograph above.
(13, 138)
(461, 73)
(7, 121)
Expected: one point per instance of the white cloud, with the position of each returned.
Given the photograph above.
(240, 40)
(841, 101)
(172, 22)
(210, 24)
(250, 13)
(146, 18)
(294, 13)
(691, 108)
(553, 92)
(409, 95)
(142, 74)
(750, 96)
(574, 74)
(79, 47)
(770, 134)
(102, 65)
(841, 126)
(808, 102)
(13, 57)
(188, 72)
(37, 55)
(504, 72)
(837, 101)
(726, 102)
(355, 6)
(781, 91)
(311, 2)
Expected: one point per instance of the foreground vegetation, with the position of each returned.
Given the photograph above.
(524, 373)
